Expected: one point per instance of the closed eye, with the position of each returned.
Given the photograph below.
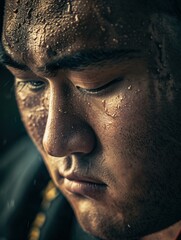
(102, 88)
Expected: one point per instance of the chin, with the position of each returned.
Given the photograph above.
(104, 227)
(106, 224)
(105, 231)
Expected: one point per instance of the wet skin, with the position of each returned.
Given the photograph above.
(98, 87)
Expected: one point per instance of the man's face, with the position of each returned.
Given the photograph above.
(98, 87)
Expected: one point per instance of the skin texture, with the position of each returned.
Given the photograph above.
(127, 135)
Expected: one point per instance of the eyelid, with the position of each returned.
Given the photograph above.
(31, 83)
(101, 88)
(28, 80)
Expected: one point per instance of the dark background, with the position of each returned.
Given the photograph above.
(11, 128)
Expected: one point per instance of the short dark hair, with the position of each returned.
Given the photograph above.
(1, 15)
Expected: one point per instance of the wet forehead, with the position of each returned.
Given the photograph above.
(59, 27)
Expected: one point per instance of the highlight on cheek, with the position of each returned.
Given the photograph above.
(34, 111)
(31, 94)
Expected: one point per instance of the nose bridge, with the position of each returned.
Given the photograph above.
(66, 131)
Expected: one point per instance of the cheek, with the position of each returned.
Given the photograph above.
(34, 112)
(122, 121)
(122, 124)
(138, 145)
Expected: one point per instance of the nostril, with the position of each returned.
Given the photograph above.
(83, 141)
(52, 150)
(54, 146)
(76, 142)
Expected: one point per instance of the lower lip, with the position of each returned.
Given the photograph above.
(86, 189)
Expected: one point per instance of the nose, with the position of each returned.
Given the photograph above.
(66, 133)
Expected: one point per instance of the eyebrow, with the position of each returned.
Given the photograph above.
(75, 61)
(6, 59)
(89, 58)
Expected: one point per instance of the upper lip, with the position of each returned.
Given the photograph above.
(81, 178)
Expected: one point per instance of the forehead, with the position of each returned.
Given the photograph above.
(57, 27)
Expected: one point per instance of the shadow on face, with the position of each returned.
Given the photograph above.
(98, 87)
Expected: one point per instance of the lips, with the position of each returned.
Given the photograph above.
(83, 186)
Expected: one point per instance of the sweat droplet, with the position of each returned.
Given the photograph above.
(30, 115)
(104, 103)
(130, 87)
(69, 7)
(40, 109)
(76, 18)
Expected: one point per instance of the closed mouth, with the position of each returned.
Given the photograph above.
(88, 187)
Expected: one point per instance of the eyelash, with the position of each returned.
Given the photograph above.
(40, 85)
(102, 88)
(32, 85)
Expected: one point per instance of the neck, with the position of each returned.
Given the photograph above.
(169, 233)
